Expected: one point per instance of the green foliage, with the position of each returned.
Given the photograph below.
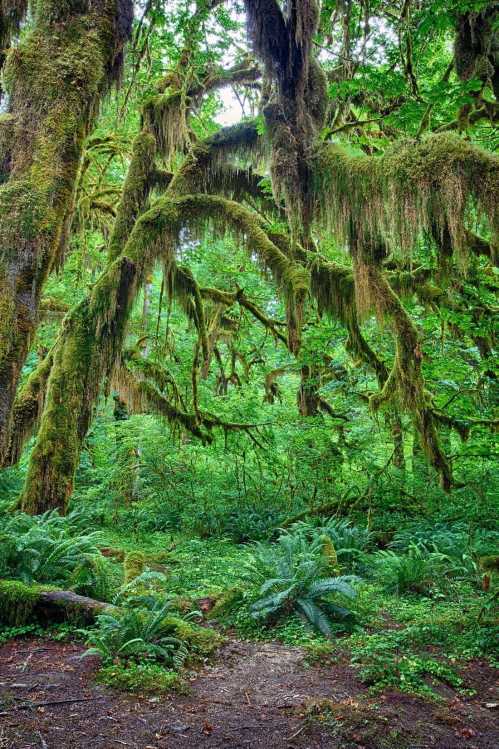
(405, 673)
(401, 134)
(451, 539)
(49, 549)
(292, 578)
(414, 572)
(136, 634)
(237, 523)
(13, 632)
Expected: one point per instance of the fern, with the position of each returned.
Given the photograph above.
(294, 576)
(349, 541)
(414, 572)
(50, 549)
(139, 634)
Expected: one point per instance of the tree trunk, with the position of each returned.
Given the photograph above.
(55, 79)
(308, 394)
(398, 441)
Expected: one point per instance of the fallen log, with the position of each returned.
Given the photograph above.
(67, 602)
(21, 603)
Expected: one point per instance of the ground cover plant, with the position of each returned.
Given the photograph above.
(248, 371)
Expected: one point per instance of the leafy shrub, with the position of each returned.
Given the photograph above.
(150, 517)
(149, 678)
(49, 549)
(144, 626)
(452, 539)
(408, 673)
(414, 572)
(459, 547)
(242, 525)
(239, 523)
(292, 578)
(12, 633)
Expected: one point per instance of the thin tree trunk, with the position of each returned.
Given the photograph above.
(308, 393)
(398, 441)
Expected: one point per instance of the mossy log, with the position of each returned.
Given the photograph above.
(68, 605)
(21, 603)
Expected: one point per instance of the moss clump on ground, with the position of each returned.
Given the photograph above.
(227, 602)
(17, 602)
(200, 641)
(133, 565)
(148, 678)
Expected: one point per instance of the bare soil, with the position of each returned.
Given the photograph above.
(254, 695)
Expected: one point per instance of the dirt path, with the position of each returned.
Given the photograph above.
(256, 695)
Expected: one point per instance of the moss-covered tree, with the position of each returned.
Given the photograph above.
(55, 77)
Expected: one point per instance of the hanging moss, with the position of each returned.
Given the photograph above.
(165, 115)
(413, 187)
(332, 286)
(405, 382)
(142, 397)
(184, 287)
(292, 277)
(151, 370)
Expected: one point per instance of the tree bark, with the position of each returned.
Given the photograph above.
(55, 79)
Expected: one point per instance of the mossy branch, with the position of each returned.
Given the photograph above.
(413, 188)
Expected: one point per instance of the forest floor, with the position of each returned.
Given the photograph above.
(254, 694)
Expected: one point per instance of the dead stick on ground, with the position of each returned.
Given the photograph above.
(29, 705)
(297, 733)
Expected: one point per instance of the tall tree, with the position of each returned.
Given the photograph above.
(66, 60)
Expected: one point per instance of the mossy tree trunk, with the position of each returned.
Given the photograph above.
(93, 335)
(55, 80)
(308, 394)
(91, 343)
